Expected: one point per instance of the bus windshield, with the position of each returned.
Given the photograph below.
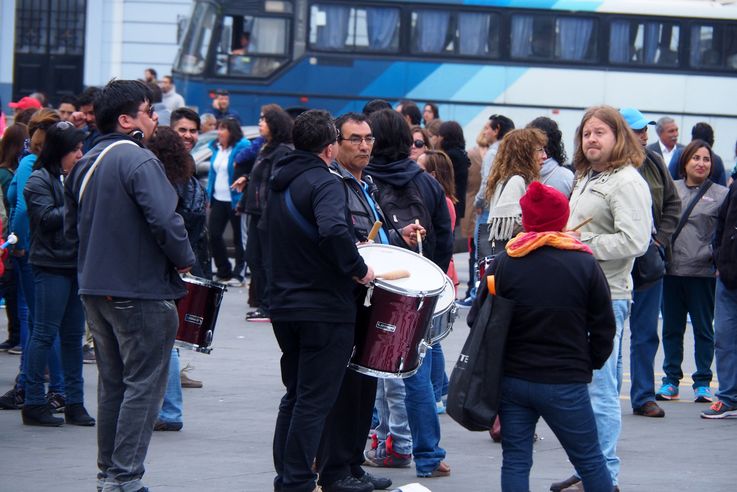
(252, 46)
(196, 44)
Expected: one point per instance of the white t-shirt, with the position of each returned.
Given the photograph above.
(221, 190)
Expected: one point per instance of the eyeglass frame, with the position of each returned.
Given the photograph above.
(357, 139)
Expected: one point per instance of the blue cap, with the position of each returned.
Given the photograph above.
(634, 118)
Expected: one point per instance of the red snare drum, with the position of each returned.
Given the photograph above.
(198, 313)
(481, 266)
(392, 332)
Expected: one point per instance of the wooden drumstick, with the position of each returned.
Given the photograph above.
(419, 238)
(582, 224)
(393, 275)
(374, 230)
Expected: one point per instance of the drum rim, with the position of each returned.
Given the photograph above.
(448, 281)
(367, 371)
(193, 279)
(398, 290)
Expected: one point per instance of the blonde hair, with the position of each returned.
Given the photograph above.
(627, 148)
(516, 157)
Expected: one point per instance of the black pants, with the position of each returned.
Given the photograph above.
(9, 291)
(220, 214)
(344, 437)
(255, 251)
(313, 363)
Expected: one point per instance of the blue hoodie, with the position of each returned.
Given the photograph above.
(241, 145)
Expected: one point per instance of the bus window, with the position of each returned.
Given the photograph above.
(643, 43)
(192, 54)
(575, 39)
(478, 34)
(252, 46)
(713, 46)
(464, 33)
(553, 38)
(431, 31)
(337, 27)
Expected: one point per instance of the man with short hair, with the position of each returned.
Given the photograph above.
(667, 130)
(702, 131)
(186, 122)
(86, 105)
(410, 112)
(221, 106)
(67, 107)
(171, 99)
(312, 304)
(132, 245)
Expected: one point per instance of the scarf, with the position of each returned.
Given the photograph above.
(527, 242)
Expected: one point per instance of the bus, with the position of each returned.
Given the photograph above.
(473, 58)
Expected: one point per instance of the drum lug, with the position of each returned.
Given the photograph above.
(421, 299)
(422, 349)
(401, 366)
(369, 292)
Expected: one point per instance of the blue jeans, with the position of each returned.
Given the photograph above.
(644, 343)
(725, 343)
(604, 394)
(423, 418)
(566, 408)
(437, 373)
(58, 316)
(133, 342)
(26, 295)
(171, 408)
(393, 415)
(692, 296)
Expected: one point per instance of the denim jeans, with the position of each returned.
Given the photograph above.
(133, 342)
(437, 372)
(171, 408)
(58, 316)
(725, 343)
(393, 415)
(693, 296)
(604, 394)
(27, 298)
(644, 343)
(423, 418)
(566, 408)
(222, 213)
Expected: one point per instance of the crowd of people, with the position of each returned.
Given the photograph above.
(622, 232)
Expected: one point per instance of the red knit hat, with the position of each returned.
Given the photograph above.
(544, 209)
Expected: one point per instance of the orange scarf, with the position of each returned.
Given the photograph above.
(527, 242)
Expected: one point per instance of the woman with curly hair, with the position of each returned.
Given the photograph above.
(518, 162)
(553, 173)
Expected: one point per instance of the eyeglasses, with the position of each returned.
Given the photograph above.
(418, 144)
(541, 150)
(150, 111)
(356, 140)
(64, 125)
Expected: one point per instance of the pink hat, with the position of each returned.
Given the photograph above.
(25, 103)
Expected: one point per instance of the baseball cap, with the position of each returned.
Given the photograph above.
(25, 103)
(634, 118)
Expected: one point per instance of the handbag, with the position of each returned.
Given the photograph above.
(650, 267)
(474, 388)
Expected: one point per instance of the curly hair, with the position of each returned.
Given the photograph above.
(167, 145)
(440, 166)
(627, 148)
(280, 125)
(516, 157)
(555, 148)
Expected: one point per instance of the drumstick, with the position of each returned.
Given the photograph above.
(393, 275)
(419, 238)
(374, 230)
(582, 224)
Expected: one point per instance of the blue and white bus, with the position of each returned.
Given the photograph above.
(473, 58)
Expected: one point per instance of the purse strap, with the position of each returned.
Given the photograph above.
(684, 218)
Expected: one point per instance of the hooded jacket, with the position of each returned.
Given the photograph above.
(312, 255)
(438, 244)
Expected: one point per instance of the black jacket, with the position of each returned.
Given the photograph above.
(313, 257)
(461, 163)
(257, 191)
(438, 245)
(130, 239)
(44, 196)
(563, 325)
(725, 240)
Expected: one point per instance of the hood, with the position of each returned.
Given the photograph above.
(549, 166)
(397, 173)
(111, 137)
(291, 166)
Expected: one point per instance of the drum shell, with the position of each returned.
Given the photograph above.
(198, 312)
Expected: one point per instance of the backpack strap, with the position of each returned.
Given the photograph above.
(308, 229)
(95, 164)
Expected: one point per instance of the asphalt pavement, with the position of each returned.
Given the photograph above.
(225, 444)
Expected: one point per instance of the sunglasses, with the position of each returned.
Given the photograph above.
(418, 144)
(64, 125)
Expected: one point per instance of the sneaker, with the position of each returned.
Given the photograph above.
(56, 402)
(383, 458)
(702, 394)
(234, 282)
(719, 410)
(17, 350)
(465, 303)
(7, 345)
(649, 409)
(439, 407)
(348, 484)
(257, 316)
(13, 399)
(88, 355)
(667, 392)
(378, 483)
(40, 415)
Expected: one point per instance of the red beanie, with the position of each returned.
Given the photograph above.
(544, 209)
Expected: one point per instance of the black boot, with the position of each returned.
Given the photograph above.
(76, 414)
(40, 415)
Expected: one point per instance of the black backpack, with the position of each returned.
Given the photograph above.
(402, 206)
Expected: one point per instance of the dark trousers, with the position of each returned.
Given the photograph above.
(471, 266)
(313, 363)
(9, 292)
(693, 296)
(255, 251)
(344, 437)
(220, 214)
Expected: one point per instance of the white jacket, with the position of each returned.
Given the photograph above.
(620, 204)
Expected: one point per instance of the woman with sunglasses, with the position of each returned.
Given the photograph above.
(58, 309)
(420, 142)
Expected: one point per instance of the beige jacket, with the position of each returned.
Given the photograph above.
(620, 204)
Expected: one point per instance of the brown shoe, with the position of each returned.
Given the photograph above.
(188, 382)
(443, 470)
(564, 484)
(649, 409)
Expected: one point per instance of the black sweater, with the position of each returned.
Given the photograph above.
(563, 325)
(312, 254)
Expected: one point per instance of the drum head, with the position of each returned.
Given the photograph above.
(425, 276)
(447, 297)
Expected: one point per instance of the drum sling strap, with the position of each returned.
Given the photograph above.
(95, 164)
(308, 229)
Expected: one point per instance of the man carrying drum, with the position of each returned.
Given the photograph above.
(314, 264)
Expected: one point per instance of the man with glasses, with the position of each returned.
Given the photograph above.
(128, 275)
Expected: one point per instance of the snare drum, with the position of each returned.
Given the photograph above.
(393, 318)
(481, 266)
(198, 313)
(445, 313)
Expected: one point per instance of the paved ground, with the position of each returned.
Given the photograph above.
(226, 441)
